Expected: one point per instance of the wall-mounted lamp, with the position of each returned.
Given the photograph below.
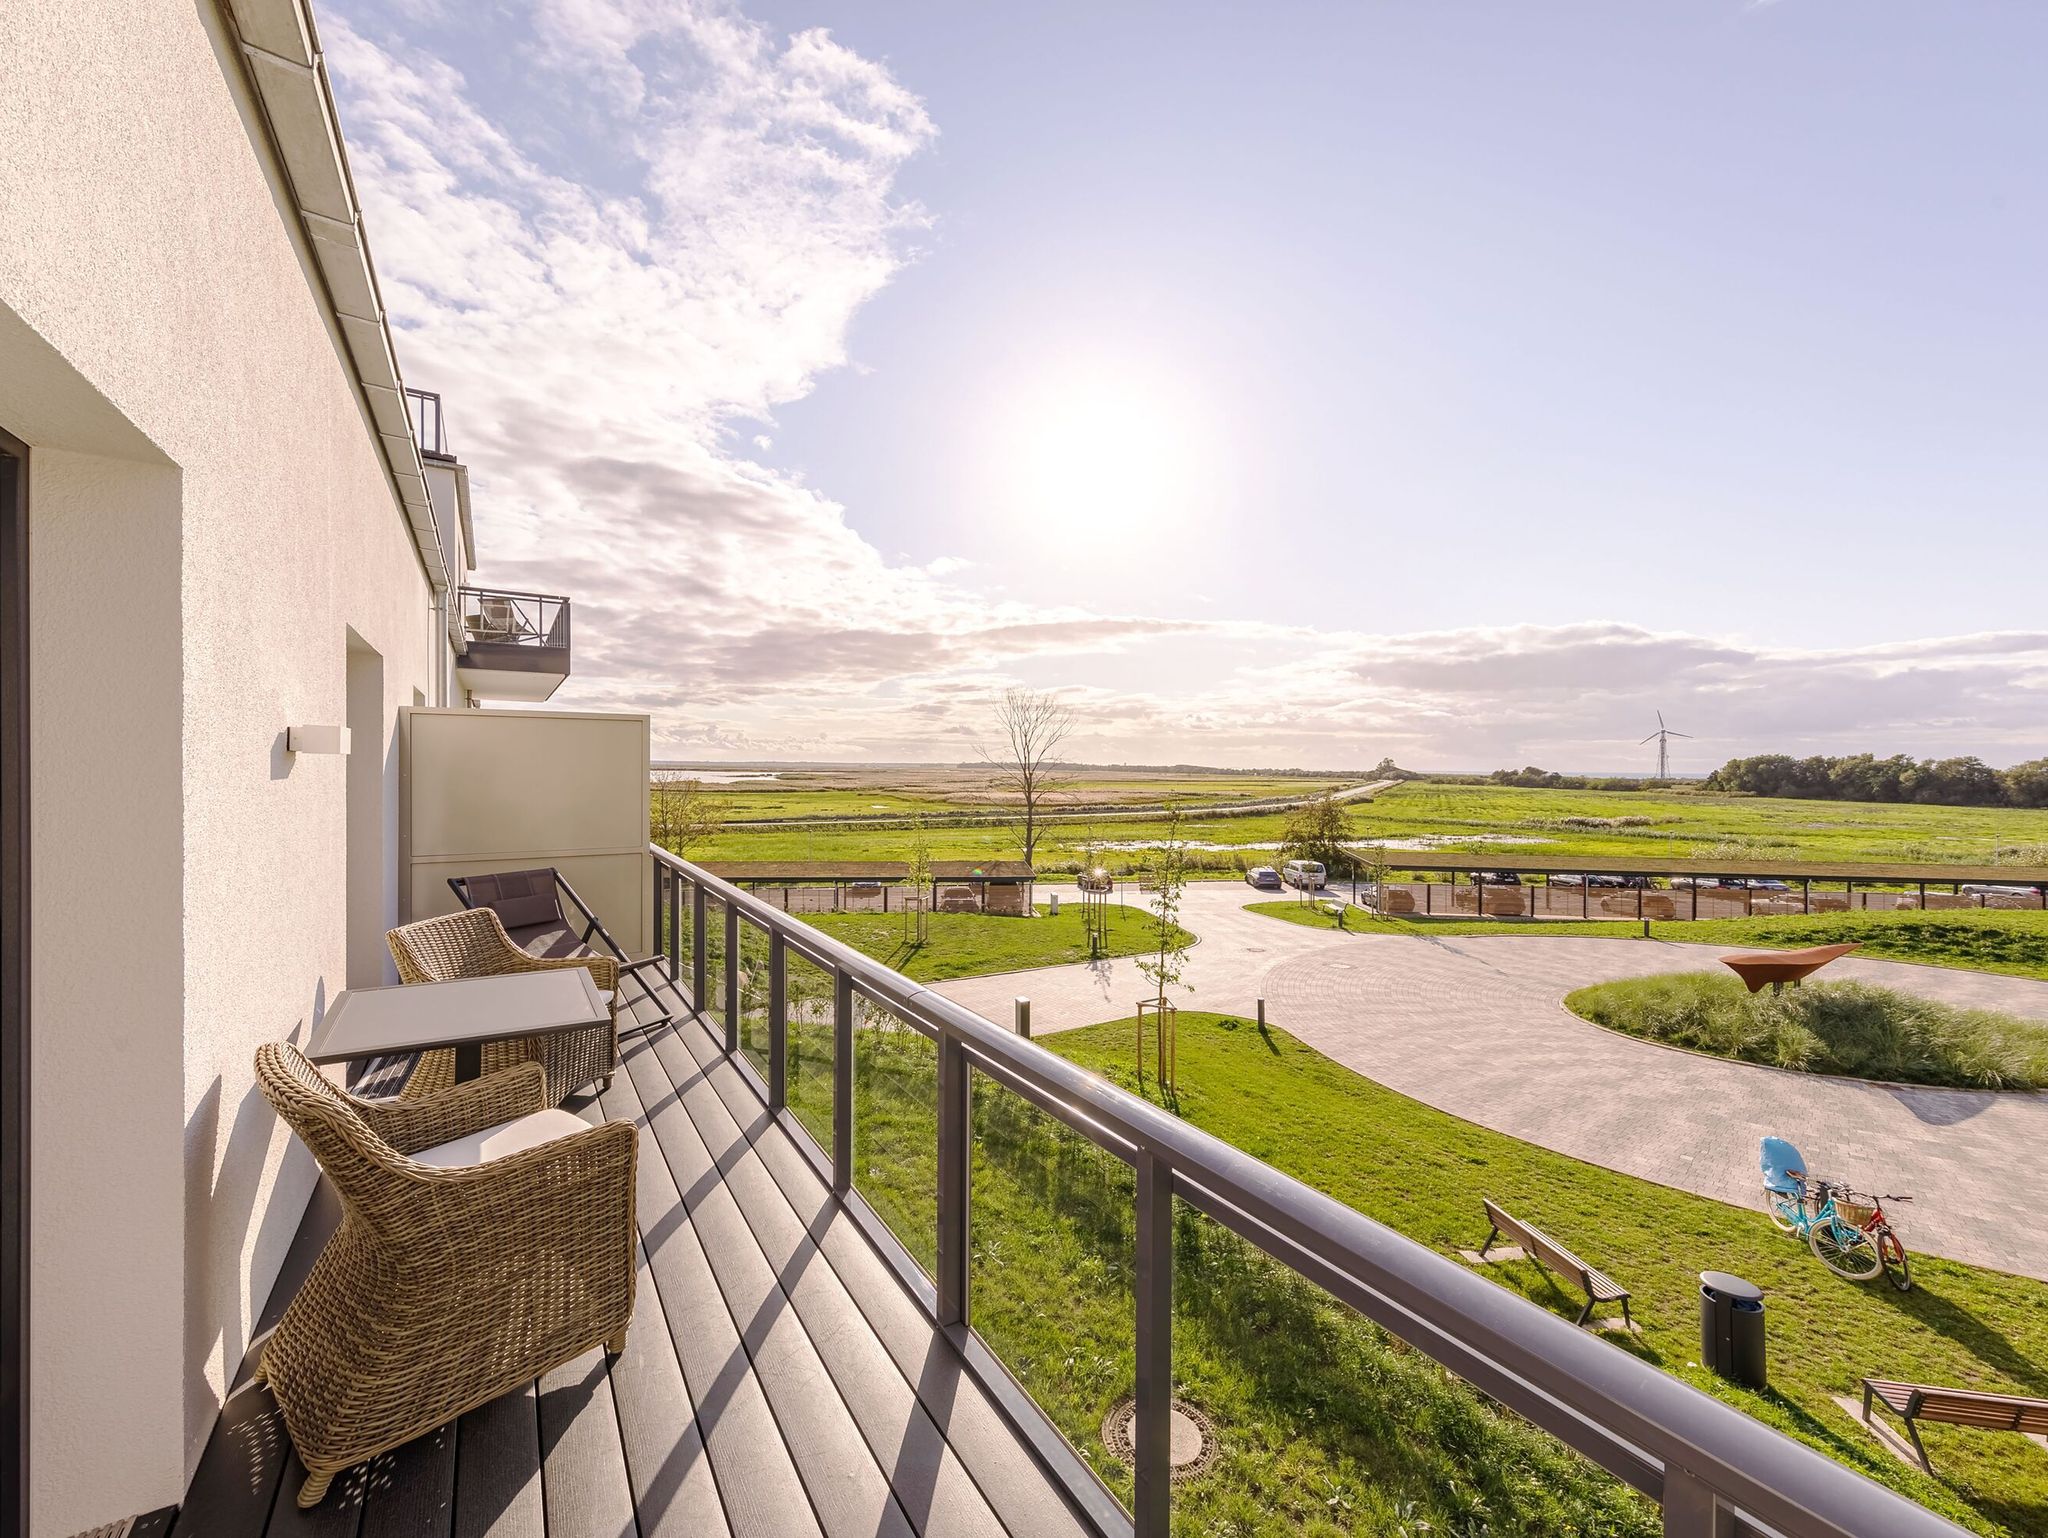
(316, 739)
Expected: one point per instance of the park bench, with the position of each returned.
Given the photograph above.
(1598, 1286)
(1912, 1402)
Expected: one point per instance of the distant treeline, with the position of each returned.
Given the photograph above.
(1529, 778)
(1863, 777)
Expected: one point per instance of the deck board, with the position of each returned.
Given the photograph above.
(777, 1381)
(497, 1469)
(673, 1492)
(931, 1484)
(1002, 1466)
(847, 1488)
(757, 1481)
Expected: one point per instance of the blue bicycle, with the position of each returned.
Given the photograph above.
(1846, 1230)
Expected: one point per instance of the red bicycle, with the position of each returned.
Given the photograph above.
(1853, 1238)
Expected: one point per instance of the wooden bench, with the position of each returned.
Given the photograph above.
(1547, 1252)
(1912, 1402)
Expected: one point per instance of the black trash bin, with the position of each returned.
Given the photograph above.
(1732, 1328)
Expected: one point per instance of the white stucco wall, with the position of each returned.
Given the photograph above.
(209, 520)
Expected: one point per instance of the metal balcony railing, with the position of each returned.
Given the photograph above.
(492, 616)
(1716, 1472)
(429, 430)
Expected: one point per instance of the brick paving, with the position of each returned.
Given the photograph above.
(1476, 1026)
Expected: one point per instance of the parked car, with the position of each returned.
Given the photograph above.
(1768, 884)
(1564, 880)
(1264, 877)
(1308, 875)
(1496, 878)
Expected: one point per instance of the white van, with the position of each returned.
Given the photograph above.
(1306, 874)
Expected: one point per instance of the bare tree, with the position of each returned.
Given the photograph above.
(1032, 725)
(680, 813)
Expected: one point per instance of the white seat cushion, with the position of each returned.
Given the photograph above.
(497, 1142)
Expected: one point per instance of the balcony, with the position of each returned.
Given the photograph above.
(510, 646)
(818, 1339)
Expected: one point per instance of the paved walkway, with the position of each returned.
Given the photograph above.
(1476, 1026)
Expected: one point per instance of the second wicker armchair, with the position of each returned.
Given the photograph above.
(473, 943)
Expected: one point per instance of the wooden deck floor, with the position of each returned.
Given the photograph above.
(777, 1380)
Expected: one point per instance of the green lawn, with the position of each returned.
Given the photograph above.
(1329, 1427)
(972, 944)
(2013, 941)
(1851, 1028)
(1423, 1172)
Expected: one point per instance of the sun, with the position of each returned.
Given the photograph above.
(1107, 451)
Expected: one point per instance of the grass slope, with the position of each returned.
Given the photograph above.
(1328, 1427)
(1423, 1173)
(972, 944)
(1849, 1028)
(2013, 942)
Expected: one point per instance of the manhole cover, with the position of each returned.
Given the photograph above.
(1192, 1445)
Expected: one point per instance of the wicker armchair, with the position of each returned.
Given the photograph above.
(473, 943)
(449, 1282)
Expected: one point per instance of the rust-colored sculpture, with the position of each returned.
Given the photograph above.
(1778, 968)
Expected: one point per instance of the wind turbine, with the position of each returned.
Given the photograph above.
(1662, 737)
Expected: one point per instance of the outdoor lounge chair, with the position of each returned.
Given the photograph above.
(485, 1239)
(530, 904)
(473, 943)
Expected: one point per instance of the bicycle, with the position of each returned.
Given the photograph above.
(1847, 1231)
(1858, 1233)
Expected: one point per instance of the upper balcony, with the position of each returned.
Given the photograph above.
(510, 646)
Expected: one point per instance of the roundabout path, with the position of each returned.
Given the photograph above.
(1476, 1026)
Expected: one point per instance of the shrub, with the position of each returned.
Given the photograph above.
(1856, 1029)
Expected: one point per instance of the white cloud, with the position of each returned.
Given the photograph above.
(604, 345)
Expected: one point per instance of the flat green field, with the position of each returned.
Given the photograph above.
(1478, 819)
(972, 944)
(2014, 942)
(1328, 1427)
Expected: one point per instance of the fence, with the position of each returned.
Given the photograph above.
(801, 1015)
(1587, 901)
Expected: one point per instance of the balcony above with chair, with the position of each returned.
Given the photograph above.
(510, 646)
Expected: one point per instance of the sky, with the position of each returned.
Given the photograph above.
(1284, 385)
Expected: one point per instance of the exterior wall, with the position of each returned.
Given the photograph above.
(490, 790)
(209, 519)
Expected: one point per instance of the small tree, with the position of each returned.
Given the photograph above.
(1369, 866)
(917, 921)
(1166, 958)
(1031, 725)
(680, 813)
(1317, 830)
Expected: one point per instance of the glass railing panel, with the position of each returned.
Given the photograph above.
(753, 982)
(673, 929)
(1049, 1277)
(712, 1005)
(809, 1059)
(1315, 1420)
(895, 1126)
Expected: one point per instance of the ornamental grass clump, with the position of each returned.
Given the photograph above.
(1855, 1029)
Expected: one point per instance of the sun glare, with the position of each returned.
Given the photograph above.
(1114, 454)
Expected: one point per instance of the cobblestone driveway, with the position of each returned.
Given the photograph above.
(1476, 1026)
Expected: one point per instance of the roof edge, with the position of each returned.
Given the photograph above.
(287, 73)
